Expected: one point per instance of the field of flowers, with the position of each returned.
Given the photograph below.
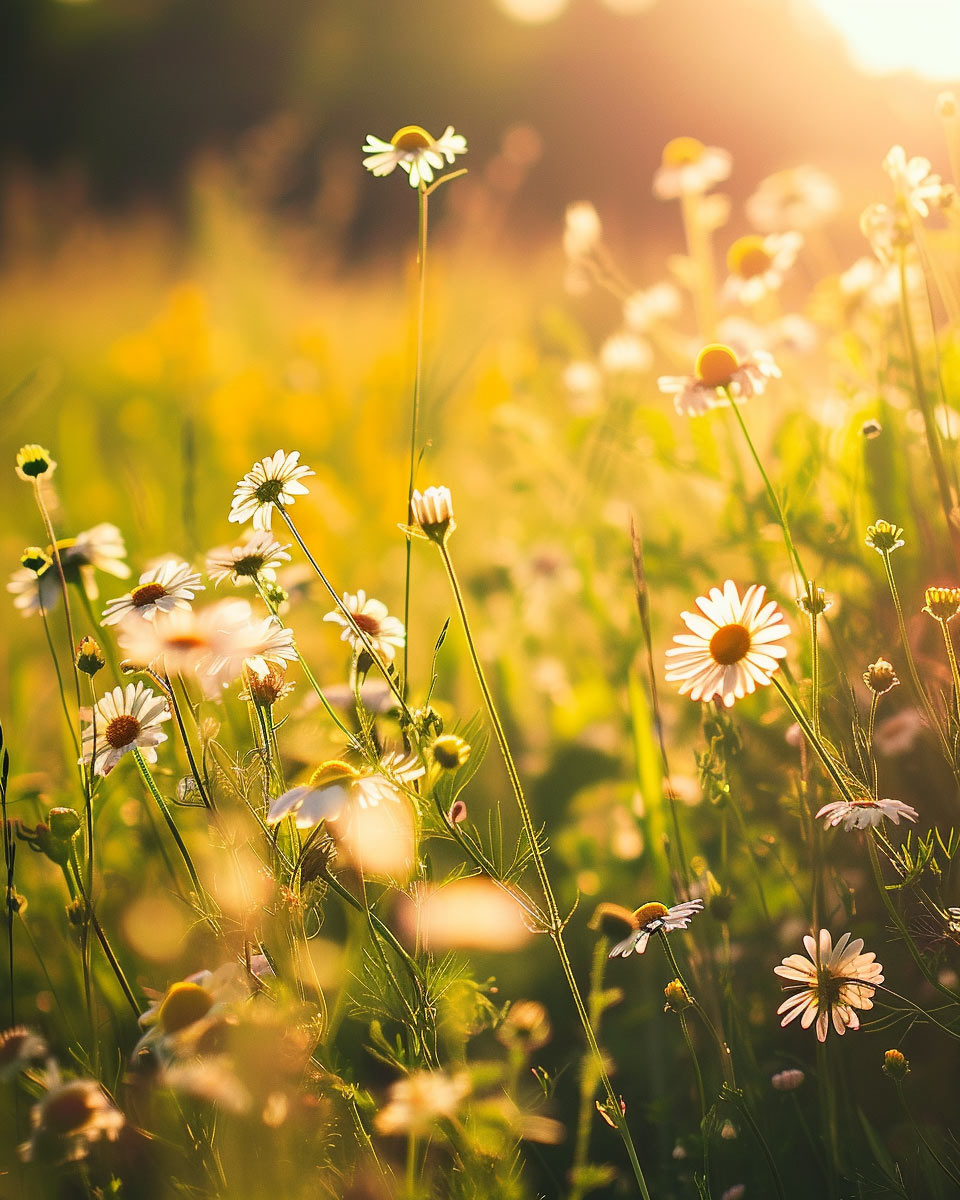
(480, 733)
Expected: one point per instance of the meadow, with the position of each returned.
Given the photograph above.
(484, 732)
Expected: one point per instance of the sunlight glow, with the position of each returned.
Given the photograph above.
(886, 36)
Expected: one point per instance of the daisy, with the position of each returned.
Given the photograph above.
(334, 784)
(413, 150)
(801, 198)
(864, 813)
(688, 167)
(69, 1118)
(657, 303)
(582, 230)
(98, 549)
(757, 265)
(420, 1099)
(719, 373)
(887, 231)
(125, 719)
(384, 633)
(272, 481)
(830, 984)
(19, 1046)
(34, 462)
(171, 585)
(914, 183)
(733, 645)
(245, 563)
(178, 1012)
(432, 513)
(626, 354)
(242, 639)
(650, 919)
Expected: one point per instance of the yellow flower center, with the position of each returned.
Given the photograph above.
(147, 593)
(682, 152)
(716, 365)
(331, 772)
(184, 1004)
(122, 730)
(411, 137)
(748, 257)
(650, 912)
(729, 644)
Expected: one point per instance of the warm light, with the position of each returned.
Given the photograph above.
(532, 12)
(885, 36)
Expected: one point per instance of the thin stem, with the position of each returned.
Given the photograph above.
(762, 1141)
(954, 671)
(819, 749)
(704, 1131)
(191, 761)
(415, 410)
(918, 1129)
(814, 668)
(55, 550)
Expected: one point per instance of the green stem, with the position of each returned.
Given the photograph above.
(751, 1121)
(191, 761)
(954, 671)
(918, 1129)
(588, 1075)
(415, 412)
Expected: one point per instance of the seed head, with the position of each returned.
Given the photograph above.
(895, 1065)
(33, 462)
(880, 677)
(884, 537)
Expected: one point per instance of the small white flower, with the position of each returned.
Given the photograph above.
(413, 150)
(186, 1005)
(582, 230)
(583, 382)
(830, 984)
(801, 198)
(885, 230)
(652, 918)
(864, 813)
(98, 549)
(626, 354)
(719, 374)
(68, 1118)
(432, 513)
(688, 167)
(733, 645)
(913, 181)
(125, 719)
(757, 265)
(419, 1100)
(336, 784)
(660, 302)
(272, 481)
(261, 553)
(19, 1046)
(173, 584)
(385, 633)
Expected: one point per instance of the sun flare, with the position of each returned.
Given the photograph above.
(887, 36)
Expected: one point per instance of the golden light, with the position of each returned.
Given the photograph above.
(886, 36)
(532, 12)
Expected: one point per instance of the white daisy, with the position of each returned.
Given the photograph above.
(653, 918)
(914, 182)
(185, 1004)
(242, 638)
(385, 633)
(582, 230)
(98, 549)
(732, 646)
(432, 513)
(419, 1100)
(272, 481)
(757, 264)
(718, 374)
(830, 984)
(688, 167)
(886, 230)
(413, 150)
(644, 308)
(68, 1118)
(242, 564)
(19, 1046)
(801, 198)
(864, 813)
(335, 784)
(173, 584)
(125, 719)
(626, 354)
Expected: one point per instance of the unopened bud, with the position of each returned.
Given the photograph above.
(33, 462)
(880, 677)
(677, 997)
(895, 1065)
(90, 657)
(35, 559)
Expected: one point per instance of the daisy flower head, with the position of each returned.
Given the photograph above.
(34, 462)
(125, 719)
(582, 230)
(864, 812)
(733, 646)
(688, 167)
(384, 633)
(413, 150)
(260, 554)
(271, 482)
(186, 1005)
(829, 984)
(419, 1100)
(647, 307)
(942, 603)
(19, 1046)
(173, 584)
(68, 1119)
(432, 514)
(914, 183)
(98, 549)
(801, 198)
(757, 264)
(336, 784)
(640, 924)
(887, 231)
(719, 375)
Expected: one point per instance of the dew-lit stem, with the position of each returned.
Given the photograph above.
(422, 207)
(555, 928)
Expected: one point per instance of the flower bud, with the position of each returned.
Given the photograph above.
(880, 677)
(789, 1080)
(90, 658)
(895, 1065)
(458, 812)
(871, 429)
(450, 751)
(33, 462)
(64, 824)
(813, 602)
(942, 603)
(35, 559)
(884, 537)
(677, 997)
(432, 512)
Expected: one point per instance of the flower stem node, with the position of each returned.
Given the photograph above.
(677, 997)
(34, 462)
(90, 657)
(895, 1065)
(432, 514)
(880, 677)
(450, 751)
(884, 537)
(942, 603)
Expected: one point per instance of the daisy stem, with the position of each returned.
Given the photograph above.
(555, 926)
(911, 665)
(698, 248)
(175, 833)
(59, 673)
(871, 725)
(954, 671)
(364, 638)
(755, 1129)
(723, 1050)
(814, 667)
(918, 1129)
(415, 411)
(588, 1074)
(103, 940)
(772, 495)
(828, 1115)
(191, 761)
(929, 424)
(704, 1131)
(898, 920)
(815, 741)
